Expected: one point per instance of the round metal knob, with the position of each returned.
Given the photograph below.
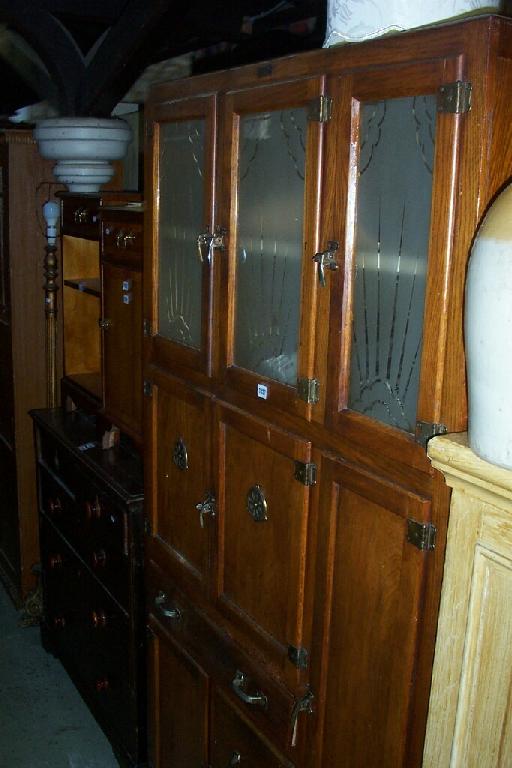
(93, 510)
(55, 561)
(54, 506)
(99, 619)
(99, 558)
(59, 622)
(102, 684)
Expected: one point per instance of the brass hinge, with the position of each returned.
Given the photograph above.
(422, 535)
(148, 388)
(298, 656)
(308, 390)
(320, 109)
(146, 326)
(305, 473)
(454, 98)
(425, 430)
(305, 704)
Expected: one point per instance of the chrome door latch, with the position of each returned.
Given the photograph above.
(207, 241)
(206, 507)
(326, 260)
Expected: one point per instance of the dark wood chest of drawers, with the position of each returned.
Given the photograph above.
(91, 518)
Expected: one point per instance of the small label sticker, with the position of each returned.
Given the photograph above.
(262, 391)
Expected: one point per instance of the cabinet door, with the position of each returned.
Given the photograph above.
(177, 704)
(234, 742)
(181, 209)
(272, 159)
(122, 347)
(178, 475)
(367, 618)
(393, 212)
(263, 526)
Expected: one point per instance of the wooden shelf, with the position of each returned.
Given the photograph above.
(90, 285)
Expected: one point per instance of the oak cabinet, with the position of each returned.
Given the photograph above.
(121, 317)
(85, 354)
(308, 226)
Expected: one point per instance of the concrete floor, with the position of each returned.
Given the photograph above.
(43, 721)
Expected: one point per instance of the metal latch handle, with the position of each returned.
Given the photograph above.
(207, 241)
(206, 507)
(256, 700)
(326, 260)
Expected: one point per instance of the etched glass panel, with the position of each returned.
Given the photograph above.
(181, 222)
(270, 242)
(391, 250)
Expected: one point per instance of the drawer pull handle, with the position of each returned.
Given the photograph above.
(55, 505)
(99, 558)
(128, 239)
(169, 613)
(236, 759)
(80, 215)
(59, 622)
(257, 700)
(102, 684)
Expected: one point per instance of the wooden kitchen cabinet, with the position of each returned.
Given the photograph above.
(308, 226)
(82, 384)
(121, 316)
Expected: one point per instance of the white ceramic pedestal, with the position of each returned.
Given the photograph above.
(488, 332)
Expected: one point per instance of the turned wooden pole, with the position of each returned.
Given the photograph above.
(50, 305)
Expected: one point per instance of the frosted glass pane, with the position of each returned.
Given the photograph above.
(181, 222)
(270, 242)
(391, 250)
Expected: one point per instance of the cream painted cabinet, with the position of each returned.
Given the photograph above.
(470, 717)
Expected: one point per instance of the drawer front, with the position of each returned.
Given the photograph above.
(122, 240)
(261, 698)
(92, 523)
(235, 742)
(91, 634)
(80, 217)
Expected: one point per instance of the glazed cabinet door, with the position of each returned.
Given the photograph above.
(180, 502)
(181, 234)
(122, 346)
(393, 216)
(272, 159)
(263, 543)
(369, 583)
(177, 704)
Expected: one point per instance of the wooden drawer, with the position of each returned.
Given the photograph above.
(122, 239)
(80, 217)
(238, 673)
(235, 742)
